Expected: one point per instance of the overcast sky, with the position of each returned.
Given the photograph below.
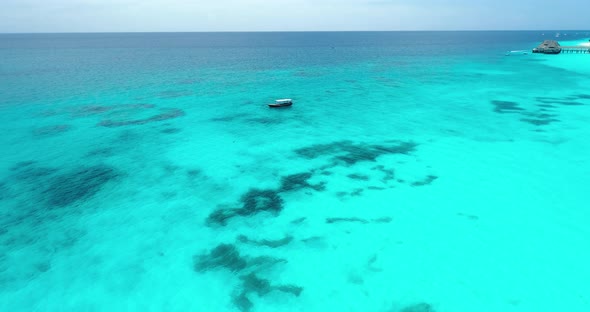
(290, 15)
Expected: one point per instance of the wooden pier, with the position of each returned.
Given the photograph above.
(575, 49)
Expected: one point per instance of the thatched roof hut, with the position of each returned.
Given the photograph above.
(548, 47)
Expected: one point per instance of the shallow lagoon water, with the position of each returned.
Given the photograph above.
(416, 171)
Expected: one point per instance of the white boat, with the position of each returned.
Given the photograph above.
(517, 52)
(281, 103)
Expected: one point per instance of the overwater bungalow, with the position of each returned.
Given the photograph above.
(548, 47)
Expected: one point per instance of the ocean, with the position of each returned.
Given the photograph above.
(415, 172)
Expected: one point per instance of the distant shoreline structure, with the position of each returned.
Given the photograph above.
(553, 47)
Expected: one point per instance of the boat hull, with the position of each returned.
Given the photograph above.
(280, 105)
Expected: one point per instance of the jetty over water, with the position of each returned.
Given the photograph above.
(575, 49)
(553, 47)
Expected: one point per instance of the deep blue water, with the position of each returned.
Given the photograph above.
(61, 62)
(403, 39)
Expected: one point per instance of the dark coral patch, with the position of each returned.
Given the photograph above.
(194, 173)
(337, 220)
(382, 220)
(229, 118)
(90, 110)
(427, 180)
(357, 176)
(298, 181)
(263, 262)
(242, 302)
(538, 121)
(227, 257)
(290, 289)
(543, 115)
(468, 216)
(172, 94)
(371, 264)
(101, 152)
(583, 96)
(540, 118)
(27, 176)
(3, 195)
(357, 192)
(389, 174)
(93, 109)
(164, 114)
(298, 220)
(350, 153)
(295, 181)
(313, 240)
(265, 120)
(420, 307)
(568, 101)
(251, 283)
(356, 154)
(170, 130)
(354, 193)
(32, 174)
(506, 107)
(220, 217)
(358, 220)
(22, 165)
(319, 150)
(169, 168)
(79, 184)
(51, 130)
(341, 194)
(256, 201)
(43, 267)
(223, 256)
(253, 202)
(266, 242)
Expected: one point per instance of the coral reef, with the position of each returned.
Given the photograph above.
(420, 307)
(266, 242)
(253, 202)
(164, 114)
(295, 182)
(503, 107)
(427, 180)
(349, 153)
(80, 183)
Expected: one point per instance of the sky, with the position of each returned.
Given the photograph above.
(290, 15)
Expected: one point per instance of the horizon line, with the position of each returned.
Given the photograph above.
(286, 31)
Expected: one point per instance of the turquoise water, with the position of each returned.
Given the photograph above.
(415, 172)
